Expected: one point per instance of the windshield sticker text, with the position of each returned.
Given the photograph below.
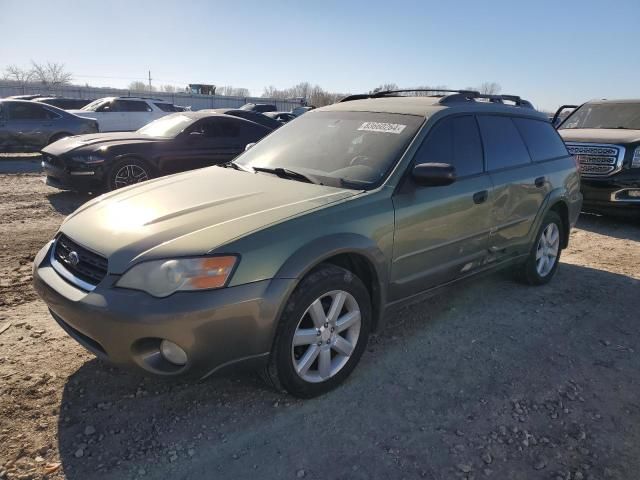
(382, 127)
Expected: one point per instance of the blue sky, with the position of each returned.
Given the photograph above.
(550, 52)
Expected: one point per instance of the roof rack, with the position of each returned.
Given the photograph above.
(392, 93)
(454, 96)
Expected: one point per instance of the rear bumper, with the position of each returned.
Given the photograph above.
(216, 328)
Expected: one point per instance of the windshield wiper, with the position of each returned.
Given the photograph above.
(286, 173)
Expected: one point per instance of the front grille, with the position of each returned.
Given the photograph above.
(88, 266)
(597, 160)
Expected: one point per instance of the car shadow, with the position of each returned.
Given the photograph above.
(115, 423)
(65, 202)
(627, 228)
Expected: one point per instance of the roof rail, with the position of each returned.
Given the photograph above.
(392, 93)
(473, 96)
(453, 97)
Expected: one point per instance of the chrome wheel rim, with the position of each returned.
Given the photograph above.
(326, 336)
(547, 250)
(130, 175)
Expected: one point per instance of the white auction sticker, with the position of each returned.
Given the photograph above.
(382, 127)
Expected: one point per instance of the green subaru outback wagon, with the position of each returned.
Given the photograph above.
(288, 258)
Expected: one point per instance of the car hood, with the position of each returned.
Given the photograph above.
(189, 213)
(600, 135)
(96, 140)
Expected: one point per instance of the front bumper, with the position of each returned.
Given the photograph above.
(216, 328)
(611, 193)
(68, 176)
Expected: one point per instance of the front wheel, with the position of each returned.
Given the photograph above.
(128, 171)
(542, 262)
(322, 333)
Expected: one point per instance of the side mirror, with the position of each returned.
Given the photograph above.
(249, 146)
(434, 174)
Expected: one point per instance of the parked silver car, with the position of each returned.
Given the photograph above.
(27, 126)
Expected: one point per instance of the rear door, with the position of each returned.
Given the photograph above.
(520, 186)
(441, 233)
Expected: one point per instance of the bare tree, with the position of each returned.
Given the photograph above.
(51, 74)
(17, 74)
(168, 88)
(490, 88)
(231, 91)
(385, 87)
(138, 86)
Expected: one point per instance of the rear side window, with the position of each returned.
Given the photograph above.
(29, 111)
(134, 106)
(166, 107)
(455, 141)
(503, 144)
(543, 141)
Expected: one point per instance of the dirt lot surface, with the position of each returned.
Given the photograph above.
(490, 380)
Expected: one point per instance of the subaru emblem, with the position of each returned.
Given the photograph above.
(73, 258)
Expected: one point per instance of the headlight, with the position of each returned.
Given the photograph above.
(635, 161)
(90, 159)
(161, 278)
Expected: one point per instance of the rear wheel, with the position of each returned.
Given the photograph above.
(322, 333)
(128, 171)
(542, 263)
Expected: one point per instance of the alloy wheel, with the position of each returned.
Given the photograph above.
(547, 250)
(130, 174)
(326, 336)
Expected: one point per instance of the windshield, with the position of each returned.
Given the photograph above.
(92, 107)
(340, 147)
(169, 126)
(605, 115)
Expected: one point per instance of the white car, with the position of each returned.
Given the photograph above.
(115, 114)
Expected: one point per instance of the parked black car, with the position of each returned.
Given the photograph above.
(250, 115)
(259, 107)
(174, 143)
(604, 136)
(27, 126)
(282, 117)
(64, 103)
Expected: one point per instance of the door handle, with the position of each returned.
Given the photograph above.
(480, 197)
(540, 181)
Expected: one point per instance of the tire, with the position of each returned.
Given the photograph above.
(535, 270)
(298, 369)
(58, 136)
(128, 171)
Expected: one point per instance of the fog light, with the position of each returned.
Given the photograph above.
(173, 353)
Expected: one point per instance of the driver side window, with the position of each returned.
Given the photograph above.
(456, 141)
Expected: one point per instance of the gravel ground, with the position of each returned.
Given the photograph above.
(489, 380)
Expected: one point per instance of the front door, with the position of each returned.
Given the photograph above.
(441, 233)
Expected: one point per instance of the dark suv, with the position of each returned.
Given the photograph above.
(604, 135)
(291, 255)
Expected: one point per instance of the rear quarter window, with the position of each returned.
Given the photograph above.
(503, 144)
(166, 107)
(541, 138)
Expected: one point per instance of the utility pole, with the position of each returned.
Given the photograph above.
(149, 80)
